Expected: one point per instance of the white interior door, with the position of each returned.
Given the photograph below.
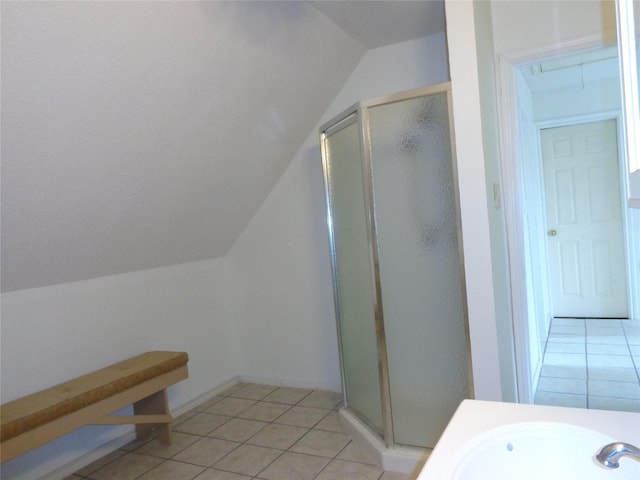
(584, 220)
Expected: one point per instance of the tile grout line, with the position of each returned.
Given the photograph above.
(274, 421)
(587, 370)
(309, 430)
(326, 407)
(262, 399)
(586, 360)
(633, 362)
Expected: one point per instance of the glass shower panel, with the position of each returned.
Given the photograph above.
(420, 265)
(353, 280)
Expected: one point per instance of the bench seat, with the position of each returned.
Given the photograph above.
(31, 421)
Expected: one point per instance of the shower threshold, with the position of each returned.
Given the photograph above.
(398, 458)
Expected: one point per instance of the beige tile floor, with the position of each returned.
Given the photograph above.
(591, 363)
(250, 431)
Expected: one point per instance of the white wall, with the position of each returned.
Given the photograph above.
(534, 255)
(265, 311)
(529, 25)
(495, 211)
(142, 111)
(593, 98)
(286, 315)
(472, 182)
(56, 333)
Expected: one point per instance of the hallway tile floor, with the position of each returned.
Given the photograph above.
(591, 364)
(250, 431)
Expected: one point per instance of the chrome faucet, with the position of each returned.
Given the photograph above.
(609, 454)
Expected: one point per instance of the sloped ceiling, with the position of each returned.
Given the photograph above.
(137, 135)
(376, 24)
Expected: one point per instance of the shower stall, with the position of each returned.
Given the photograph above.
(393, 221)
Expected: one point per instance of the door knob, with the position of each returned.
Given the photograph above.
(552, 233)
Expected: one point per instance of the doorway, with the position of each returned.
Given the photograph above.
(539, 97)
(584, 216)
(587, 358)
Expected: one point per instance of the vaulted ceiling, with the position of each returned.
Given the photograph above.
(137, 135)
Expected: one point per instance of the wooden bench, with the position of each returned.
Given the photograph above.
(36, 419)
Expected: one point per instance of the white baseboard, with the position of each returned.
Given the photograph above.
(291, 383)
(200, 399)
(396, 459)
(87, 459)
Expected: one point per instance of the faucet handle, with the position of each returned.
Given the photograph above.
(610, 453)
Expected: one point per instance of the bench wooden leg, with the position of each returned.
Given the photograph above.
(156, 404)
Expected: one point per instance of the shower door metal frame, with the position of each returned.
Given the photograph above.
(359, 113)
(345, 119)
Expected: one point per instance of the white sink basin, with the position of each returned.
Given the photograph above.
(534, 450)
(499, 441)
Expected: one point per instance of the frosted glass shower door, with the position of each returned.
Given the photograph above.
(352, 271)
(420, 267)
